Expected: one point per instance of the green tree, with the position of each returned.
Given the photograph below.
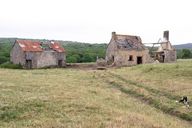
(179, 54)
(186, 53)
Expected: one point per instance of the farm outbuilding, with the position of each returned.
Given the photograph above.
(36, 54)
(166, 53)
(126, 50)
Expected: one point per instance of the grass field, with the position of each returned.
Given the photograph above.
(140, 97)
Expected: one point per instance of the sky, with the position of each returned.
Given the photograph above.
(92, 21)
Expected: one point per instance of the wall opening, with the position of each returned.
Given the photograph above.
(160, 56)
(163, 58)
(130, 58)
(60, 63)
(28, 64)
(139, 60)
(113, 58)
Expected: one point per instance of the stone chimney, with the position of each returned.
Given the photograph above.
(166, 35)
(114, 35)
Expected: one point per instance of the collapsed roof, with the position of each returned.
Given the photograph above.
(128, 42)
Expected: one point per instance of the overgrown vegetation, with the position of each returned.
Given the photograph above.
(10, 65)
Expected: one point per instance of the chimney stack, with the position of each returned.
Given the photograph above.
(113, 35)
(166, 35)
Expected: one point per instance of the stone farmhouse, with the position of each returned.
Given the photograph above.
(166, 53)
(36, 54)
(126, 50)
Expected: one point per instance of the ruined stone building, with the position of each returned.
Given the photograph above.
(126, 50)
(166, 53)
(36, 54)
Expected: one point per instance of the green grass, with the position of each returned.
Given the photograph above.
(140, 96)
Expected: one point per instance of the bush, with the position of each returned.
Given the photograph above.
(10, 65)
(186, 53)
(3, 59)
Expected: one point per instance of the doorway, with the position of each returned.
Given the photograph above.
(28, 64)
(139, 60)
(113, 58)
(163, 58)
(60, 63)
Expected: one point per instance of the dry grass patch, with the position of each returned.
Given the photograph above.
(74, 98)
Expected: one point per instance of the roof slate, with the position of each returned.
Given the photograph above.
(129, 42)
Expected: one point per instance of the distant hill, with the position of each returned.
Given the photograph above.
(184, 46)
(7, 40)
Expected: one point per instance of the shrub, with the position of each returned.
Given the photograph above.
(10, 65)
(3, 59)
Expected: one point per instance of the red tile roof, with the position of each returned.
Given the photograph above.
(29, 45)
(35, 46)
(56, 46)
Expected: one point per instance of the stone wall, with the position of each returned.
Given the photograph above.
(122, 57)
(47, 59)
(17, 56)
(170, 56)
(111, 49)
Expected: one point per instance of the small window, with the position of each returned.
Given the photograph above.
(130, 58)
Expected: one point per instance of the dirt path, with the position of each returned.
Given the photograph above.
(82, 66)
(159, 99)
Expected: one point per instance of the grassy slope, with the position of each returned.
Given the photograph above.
(175, 78)
(112, 98)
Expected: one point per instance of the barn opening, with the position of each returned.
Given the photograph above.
(60, 63)
(28, 64)
(139, 60)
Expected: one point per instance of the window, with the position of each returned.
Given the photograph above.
(130, 58)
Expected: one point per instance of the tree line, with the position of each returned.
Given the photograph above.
(184, 53)
(84, 52)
